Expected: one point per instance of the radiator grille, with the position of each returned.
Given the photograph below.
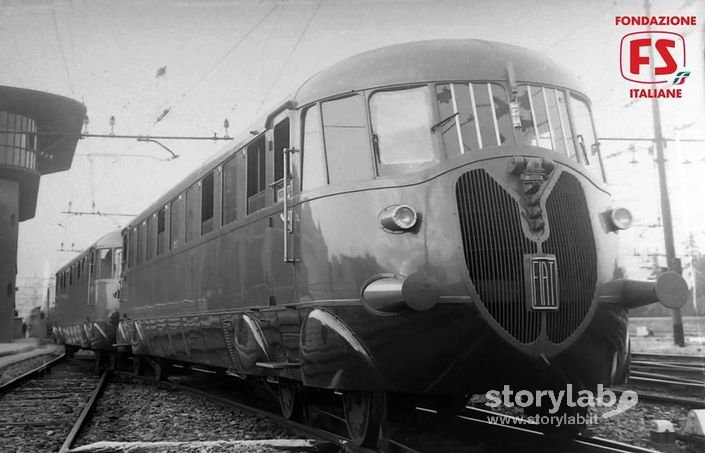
(571, 240)
(494, 246)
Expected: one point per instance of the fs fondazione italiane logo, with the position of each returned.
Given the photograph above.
(654, 59)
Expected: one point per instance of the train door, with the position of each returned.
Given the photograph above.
(282, 271)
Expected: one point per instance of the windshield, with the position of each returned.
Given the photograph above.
(473, 116)
(412, 128)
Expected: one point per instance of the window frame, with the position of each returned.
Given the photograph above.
(386, 170)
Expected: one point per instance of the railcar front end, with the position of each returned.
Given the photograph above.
(87, 304)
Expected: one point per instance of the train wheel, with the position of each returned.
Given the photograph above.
(114, 361)
(161, 369)
(291, 400)
(137, 365)
(450, 405)
(363, 415)
(99, 361)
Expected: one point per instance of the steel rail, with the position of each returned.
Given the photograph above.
(695, 403)
(597, 444)
(669, 358)
(87, 409)
(9, 385)
(345, 444)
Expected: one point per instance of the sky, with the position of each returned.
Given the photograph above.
(236, 59)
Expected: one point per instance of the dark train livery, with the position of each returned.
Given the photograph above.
(86, 310)
(428, 218)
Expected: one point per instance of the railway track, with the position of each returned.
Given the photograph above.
(665, 378)
(321, 439)
(523, 429)
(44, 409)
(471, 420)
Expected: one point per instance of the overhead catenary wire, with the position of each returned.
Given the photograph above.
(291, 52)
(222, 58)
(61, 50)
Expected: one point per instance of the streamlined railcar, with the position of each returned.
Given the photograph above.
(86, 310)
(426, 219)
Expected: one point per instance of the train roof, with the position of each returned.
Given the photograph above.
(400, 64)
(110, 240)
(434, 60)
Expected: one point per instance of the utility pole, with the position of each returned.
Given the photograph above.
(672, 262)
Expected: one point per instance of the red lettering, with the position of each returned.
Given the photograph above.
(635, 59)
(662, 46)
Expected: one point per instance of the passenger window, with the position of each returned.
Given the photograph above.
(347, 140)
(178, 221)
(142, 242)
(314, 161)
(132, 255)
(229, 190)
(161, 231)
(281, 142)
(151, 235)
(207, 203)
(401, 128)
(105, 266)
(256, 175)
(193, 216)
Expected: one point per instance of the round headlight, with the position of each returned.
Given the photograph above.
(621, 218)
(398, 217)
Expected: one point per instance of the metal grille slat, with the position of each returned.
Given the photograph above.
(571, 240)
(494, 245)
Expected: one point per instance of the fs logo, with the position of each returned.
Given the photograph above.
(667, 49)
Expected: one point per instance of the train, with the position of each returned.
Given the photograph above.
(86, 308)
(427, 220)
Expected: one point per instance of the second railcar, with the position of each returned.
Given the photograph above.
(87, 305)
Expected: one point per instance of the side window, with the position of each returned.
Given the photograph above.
(193, 215)
(256, 175)
(583, 132)
(401, 128)
(125, 249)
(132, 254)
(281, 141)
(142, 242)
(347, 140)
(314, 162)
(105, 267)
(178, 221)
(151, 235)
(161, 231)
(207, 203)
(230, 190)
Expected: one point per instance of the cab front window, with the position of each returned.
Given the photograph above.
(401, 129)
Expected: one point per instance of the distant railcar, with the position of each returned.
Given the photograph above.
(86, 310)
(427, 219)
